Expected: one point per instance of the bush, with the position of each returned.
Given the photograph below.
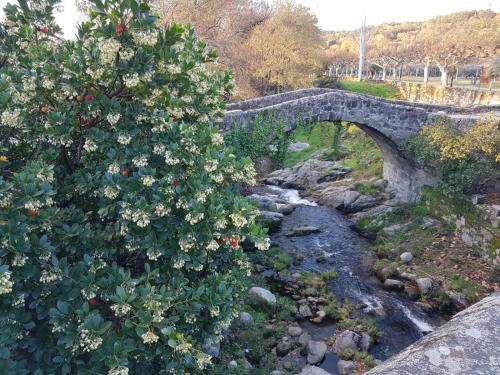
(464, 160)
(266, 136)
(327, 83)
(328, 275)
(119, 222)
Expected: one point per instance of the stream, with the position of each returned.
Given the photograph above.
(348, 253)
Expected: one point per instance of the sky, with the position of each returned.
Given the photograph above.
(341, 14)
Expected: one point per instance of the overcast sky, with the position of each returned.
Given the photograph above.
(342, 14)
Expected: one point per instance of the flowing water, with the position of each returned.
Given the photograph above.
(401, 321)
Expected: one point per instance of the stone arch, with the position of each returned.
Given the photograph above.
(388, 122)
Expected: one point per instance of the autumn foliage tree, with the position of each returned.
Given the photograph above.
(286, 49)
(225, 26)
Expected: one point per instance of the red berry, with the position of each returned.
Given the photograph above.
(120, 28)
(32, 212)
(176, 184)
(92, 302)
(89, 97)
(44, 29)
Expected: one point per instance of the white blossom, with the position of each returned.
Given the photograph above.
(113, 118)
(149, 337)
(5, 283)
(124, 139)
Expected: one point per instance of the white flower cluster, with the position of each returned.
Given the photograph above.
(108, 49)
(186, 244)
(111, 192)
(263, 245)
(238, 220)
(217, 138)
(183, 346)
(149, 337)
(5, 283)
(113, 118)
(124, 139)
(131, 80)
(50, 276)
(212, 245)
(153, 254)
(47, 83)
(141, 218)
(178, 263)
(194, 218)
(89, 146)
(120, 370)
(121, 309)
(211, 165)
(214, 311)
(126, 54)
(95, 73)
(11, 118)
(162, 210)
(33, 204)
(89, 341)
(19, 260)
(220, 224)
(148, 180)
(203, 360)
(147, 38)
(158, 149)
(170, 159)
(114, 168)
(6, 200)
(140, 161)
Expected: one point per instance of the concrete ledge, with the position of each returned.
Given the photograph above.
(469, 344)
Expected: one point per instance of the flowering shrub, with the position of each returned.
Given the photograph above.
(120, 228)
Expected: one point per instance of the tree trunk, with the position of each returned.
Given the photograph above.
(444, 75)
(384, 68)
(426, 74)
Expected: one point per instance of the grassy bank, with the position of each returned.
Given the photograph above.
(356, 149)
(382, 90)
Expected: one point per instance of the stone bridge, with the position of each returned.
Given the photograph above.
(388, 122)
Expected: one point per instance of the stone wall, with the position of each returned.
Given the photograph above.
(417, 92)
(469, 344)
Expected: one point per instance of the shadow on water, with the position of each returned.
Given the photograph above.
(400, 320)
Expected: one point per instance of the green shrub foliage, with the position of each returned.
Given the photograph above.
(120, 227)
(266, 136)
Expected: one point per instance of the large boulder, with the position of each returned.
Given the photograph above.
(316, 351)
(466, 345)
(396, 285)
(361, 203)
(406, 257)
(346, 341)
(271, 220)
(263, 202)
(307, 174)
(346, 367)
(424, 285)
(313, 370)
(298, 146)
(262, 295)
